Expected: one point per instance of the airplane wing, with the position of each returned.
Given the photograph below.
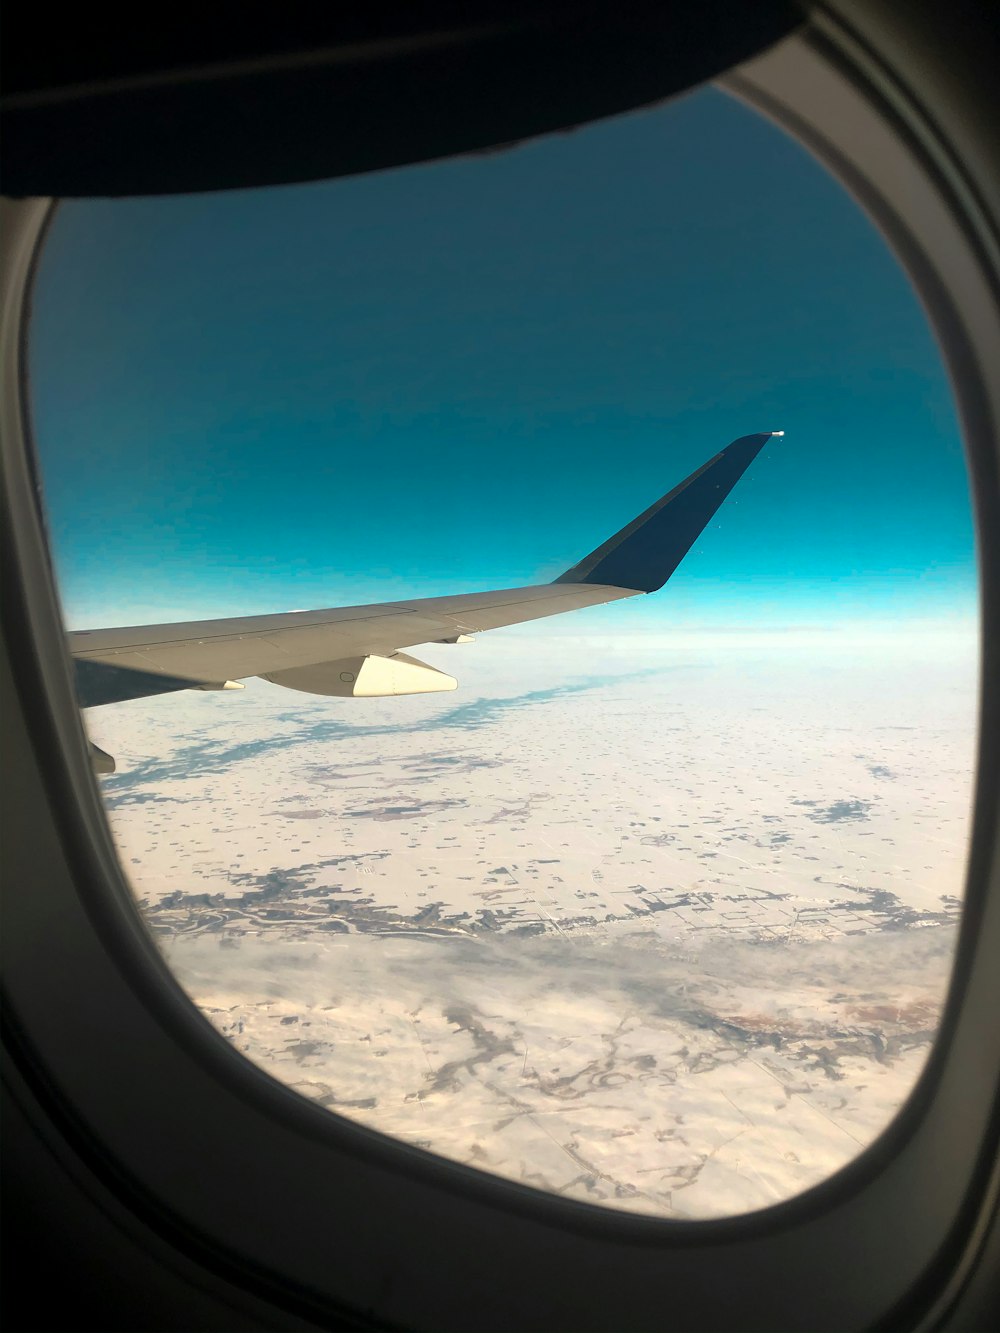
(357, 650)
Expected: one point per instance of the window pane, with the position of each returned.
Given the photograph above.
(658, 911)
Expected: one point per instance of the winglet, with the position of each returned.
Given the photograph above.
(646, 552)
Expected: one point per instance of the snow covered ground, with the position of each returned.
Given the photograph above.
(663, 923)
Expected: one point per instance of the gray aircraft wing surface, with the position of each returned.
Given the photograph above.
(357, 650)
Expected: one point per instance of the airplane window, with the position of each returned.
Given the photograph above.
(657, 909)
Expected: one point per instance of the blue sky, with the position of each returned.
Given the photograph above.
(468, 374)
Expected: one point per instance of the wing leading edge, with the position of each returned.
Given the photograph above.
(112, 665)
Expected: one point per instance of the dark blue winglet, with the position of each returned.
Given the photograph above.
(646, 552)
